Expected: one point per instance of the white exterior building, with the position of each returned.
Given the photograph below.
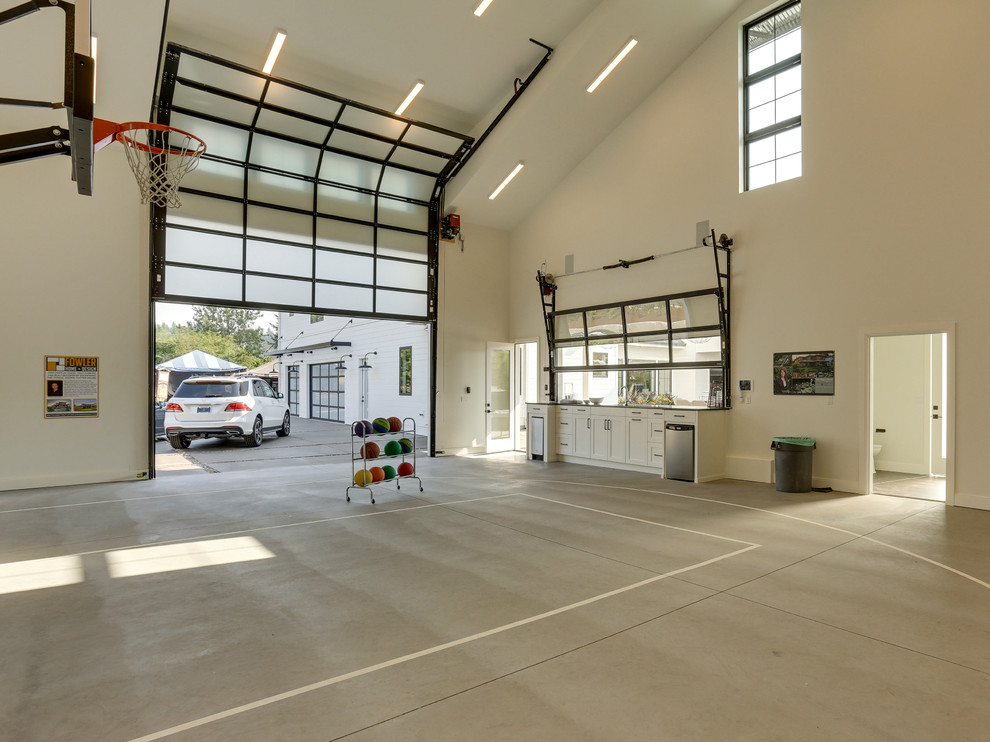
(319, 363)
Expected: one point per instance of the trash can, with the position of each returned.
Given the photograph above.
(792, 463)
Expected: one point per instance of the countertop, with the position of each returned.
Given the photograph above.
(700, 408)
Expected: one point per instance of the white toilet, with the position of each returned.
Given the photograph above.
(876, 452)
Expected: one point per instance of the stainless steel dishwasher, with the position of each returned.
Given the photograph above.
(678, 452)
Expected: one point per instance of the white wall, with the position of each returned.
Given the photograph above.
(75, 269)
(877, 234)
(473, 296)
(901, 402)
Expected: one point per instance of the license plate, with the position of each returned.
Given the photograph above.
(204, 409)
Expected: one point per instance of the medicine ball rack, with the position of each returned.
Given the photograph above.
(362, 440)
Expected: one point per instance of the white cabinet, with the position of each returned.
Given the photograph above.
(583, 445)
(656, 423)
(633, 437)
(565, 432)
(638, 437)
(541, 432)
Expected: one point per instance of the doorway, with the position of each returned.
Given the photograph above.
(527, 373)
(499, 395)
(909, 415)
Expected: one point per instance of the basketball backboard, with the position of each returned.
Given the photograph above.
(75, 137)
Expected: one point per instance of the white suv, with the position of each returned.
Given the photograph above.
(225, 407)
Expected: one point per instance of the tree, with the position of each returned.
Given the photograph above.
(223, 320)
(236, 324)
(172, 342)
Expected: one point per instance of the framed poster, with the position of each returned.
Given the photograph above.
(72, 386)
(810, 372)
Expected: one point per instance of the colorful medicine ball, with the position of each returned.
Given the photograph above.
(380, 424)
(394, 425)
(358, 429)
(377, 474)
(392, 448)
(405, 469)
(389, 472)
(363, 478)
(370, 450)
(406, 445)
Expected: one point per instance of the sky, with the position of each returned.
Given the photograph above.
(167, 314)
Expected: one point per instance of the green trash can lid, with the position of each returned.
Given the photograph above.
(795, 440)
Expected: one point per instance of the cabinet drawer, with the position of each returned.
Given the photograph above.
(637, 414)
(681, 416)
(565, 445)
(538, 409)
(656, 456)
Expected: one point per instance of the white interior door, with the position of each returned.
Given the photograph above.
(499, 394)
(526, 388)
(939, 397)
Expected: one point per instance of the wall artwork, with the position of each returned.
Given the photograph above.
(804, 373)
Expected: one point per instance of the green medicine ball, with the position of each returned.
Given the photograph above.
(389, 472)
(392, 448)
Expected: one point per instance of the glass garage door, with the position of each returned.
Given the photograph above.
(303, 201)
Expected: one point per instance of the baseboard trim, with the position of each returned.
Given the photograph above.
(67, 480)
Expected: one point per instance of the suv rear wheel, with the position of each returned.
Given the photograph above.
(256, 436)
(178, 441)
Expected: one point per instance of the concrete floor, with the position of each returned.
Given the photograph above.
(310, 443)
(511, 600)
(909, 485)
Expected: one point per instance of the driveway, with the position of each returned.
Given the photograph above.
(310, 442)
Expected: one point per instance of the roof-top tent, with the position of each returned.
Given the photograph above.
(193, 363)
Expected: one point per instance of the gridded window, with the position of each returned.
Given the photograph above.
(772, 97)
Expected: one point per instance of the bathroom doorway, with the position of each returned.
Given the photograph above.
(909, 415)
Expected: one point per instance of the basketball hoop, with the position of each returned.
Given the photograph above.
(160, 156)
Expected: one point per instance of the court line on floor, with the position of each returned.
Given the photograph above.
(278, 526)
(199, 493)
(878, 542)
(431, 650)
(640, 520)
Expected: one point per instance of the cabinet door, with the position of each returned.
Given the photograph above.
(582, 435)
(637, 441)
(617, 439)
(600, 444)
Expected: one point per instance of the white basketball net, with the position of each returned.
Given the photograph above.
(159, 161)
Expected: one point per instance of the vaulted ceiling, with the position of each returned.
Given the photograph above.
(373, 51)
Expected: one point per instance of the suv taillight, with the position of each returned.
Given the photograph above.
(237, 406)
(173, 407)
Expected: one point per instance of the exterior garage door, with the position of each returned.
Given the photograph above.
(326, 392)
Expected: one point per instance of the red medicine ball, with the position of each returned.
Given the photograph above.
(405, 469)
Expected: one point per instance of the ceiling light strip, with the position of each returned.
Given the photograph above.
(409, 98)
(508, 179)
(273, 54)
(482, 7)
(612, 65)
